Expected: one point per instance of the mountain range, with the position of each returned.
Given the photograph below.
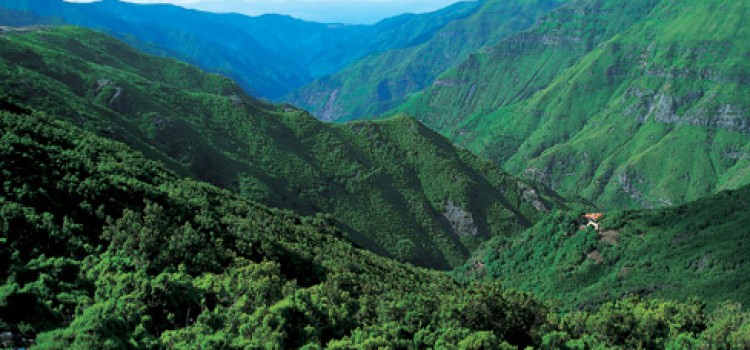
(503, 174)
(268, 55)
(638, 104)
(381, 81)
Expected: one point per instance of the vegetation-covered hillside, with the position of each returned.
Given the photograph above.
(694, 250)
(393, 186)
(102, 248)
(383, 80)
(268, 55)
(630, 104)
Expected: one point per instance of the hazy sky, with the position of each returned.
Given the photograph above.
(342, 11)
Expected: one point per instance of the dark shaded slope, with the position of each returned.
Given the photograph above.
(393, 186)
(103, 248)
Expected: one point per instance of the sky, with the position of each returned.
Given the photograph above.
(328, 11)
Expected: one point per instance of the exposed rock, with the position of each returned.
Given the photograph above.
(236, 101)
(610, 236)
(462, 222)
(163, 123)
(101, 84)
(529, 194)
(625, 271)
(682, 237)
(116, 96)
(331, 112)
(596, 256)
(628, 185)
(735, 155)
(472, 91)
(538, 175)
(703, 263)
(662, 108)
(447, 82)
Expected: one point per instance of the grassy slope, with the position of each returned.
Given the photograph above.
(388, 184)
(384, 80)
(693, 250)
(522, 64)
(600, 126)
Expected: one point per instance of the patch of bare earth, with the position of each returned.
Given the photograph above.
(596, 256)
(610, 236)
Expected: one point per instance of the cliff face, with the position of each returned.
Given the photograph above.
(641, 104)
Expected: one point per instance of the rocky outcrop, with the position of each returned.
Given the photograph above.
(331, 112)
(530, 195)
(462, 222)
(112, 93)
(662, 107)
(629, 182)
(447, 82)
(735, 155)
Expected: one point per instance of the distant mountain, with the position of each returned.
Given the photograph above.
(393, 186)
(630, 104)
(694, 250)
(383, 80)
(18, 18)
(268, 55)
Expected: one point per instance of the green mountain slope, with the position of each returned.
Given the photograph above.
(652, 116)
(522, 64)
(384, 80)
(103, 248)
(268, 55)
(106, 249)
(693, 250)
(393, 186)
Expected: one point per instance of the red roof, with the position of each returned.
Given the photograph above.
(593, 216)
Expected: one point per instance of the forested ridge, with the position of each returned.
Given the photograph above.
(393, 186)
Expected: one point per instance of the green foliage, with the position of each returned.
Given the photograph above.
(106, 249)
(676, 253)
(393, 186)
(635, 104)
